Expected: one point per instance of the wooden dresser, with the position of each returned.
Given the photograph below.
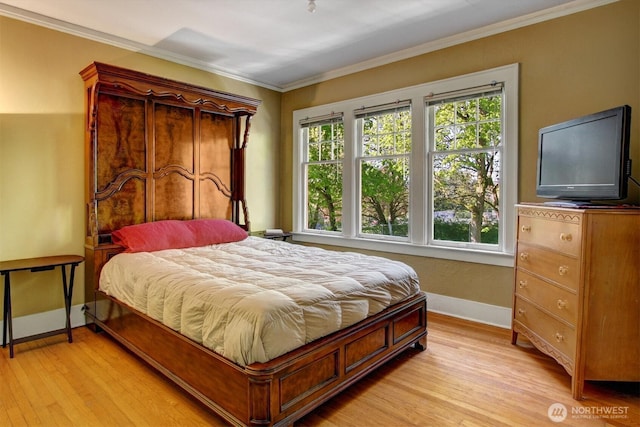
(577, 290)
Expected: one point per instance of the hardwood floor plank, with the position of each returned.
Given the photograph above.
(23, 393)
(470, 375)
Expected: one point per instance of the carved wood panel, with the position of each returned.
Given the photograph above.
(216, 134)
(173, 163)
(120, 161)
(121, 145)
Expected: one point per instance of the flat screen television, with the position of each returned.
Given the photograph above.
(585, 159)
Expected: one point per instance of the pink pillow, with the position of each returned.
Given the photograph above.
(175, 234)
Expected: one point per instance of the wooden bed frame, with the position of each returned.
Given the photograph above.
(160, 149)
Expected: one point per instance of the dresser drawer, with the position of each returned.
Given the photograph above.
(556, 235)
(556, 267)
(557, 301)
(557, 334)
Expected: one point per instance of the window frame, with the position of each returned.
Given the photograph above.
(433, 152)
(420, 217)
(361, 158)
(306, 163)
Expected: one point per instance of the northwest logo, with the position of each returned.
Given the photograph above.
(557, 412)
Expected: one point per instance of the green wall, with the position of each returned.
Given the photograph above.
(569, 66)
(42, 148)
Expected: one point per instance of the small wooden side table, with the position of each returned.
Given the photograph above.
(34, 265)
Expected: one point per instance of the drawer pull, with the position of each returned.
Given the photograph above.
(522, 284)
(559, 337)
(521, 311)
(525, 228)
(524, 256)
(562, 304)
(563, 269)
(565, 237)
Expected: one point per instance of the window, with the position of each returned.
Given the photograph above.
(384, 136)
(466, 147)
(427, 170)
(323, 140)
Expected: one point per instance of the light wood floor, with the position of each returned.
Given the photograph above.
(470, 375)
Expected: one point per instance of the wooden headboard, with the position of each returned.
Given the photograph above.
(159, 149)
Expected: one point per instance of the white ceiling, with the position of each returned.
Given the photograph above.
(279, 44)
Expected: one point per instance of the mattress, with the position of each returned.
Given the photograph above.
(256, 299)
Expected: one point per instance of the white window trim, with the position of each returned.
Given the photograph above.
(418, 244)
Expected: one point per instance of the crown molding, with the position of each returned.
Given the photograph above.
(489, 30)
(101, 37)
(508, 25)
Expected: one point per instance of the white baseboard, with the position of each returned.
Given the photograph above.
(39, 323)
(470, 310)
(32, 324)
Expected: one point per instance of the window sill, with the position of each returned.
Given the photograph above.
(456, 254)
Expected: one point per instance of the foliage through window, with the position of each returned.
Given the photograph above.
(323, 166)
(384, 171)
(467, 138)
(425, 170)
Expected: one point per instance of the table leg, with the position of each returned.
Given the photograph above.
(7, 316)
(4, 311)
(67, 289)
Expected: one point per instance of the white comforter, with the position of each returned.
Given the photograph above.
(256, 299)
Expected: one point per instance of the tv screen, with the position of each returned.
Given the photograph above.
(585, 159)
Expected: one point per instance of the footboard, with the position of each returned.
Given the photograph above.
(282, 390)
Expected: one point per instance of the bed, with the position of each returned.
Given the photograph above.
(167, 159)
